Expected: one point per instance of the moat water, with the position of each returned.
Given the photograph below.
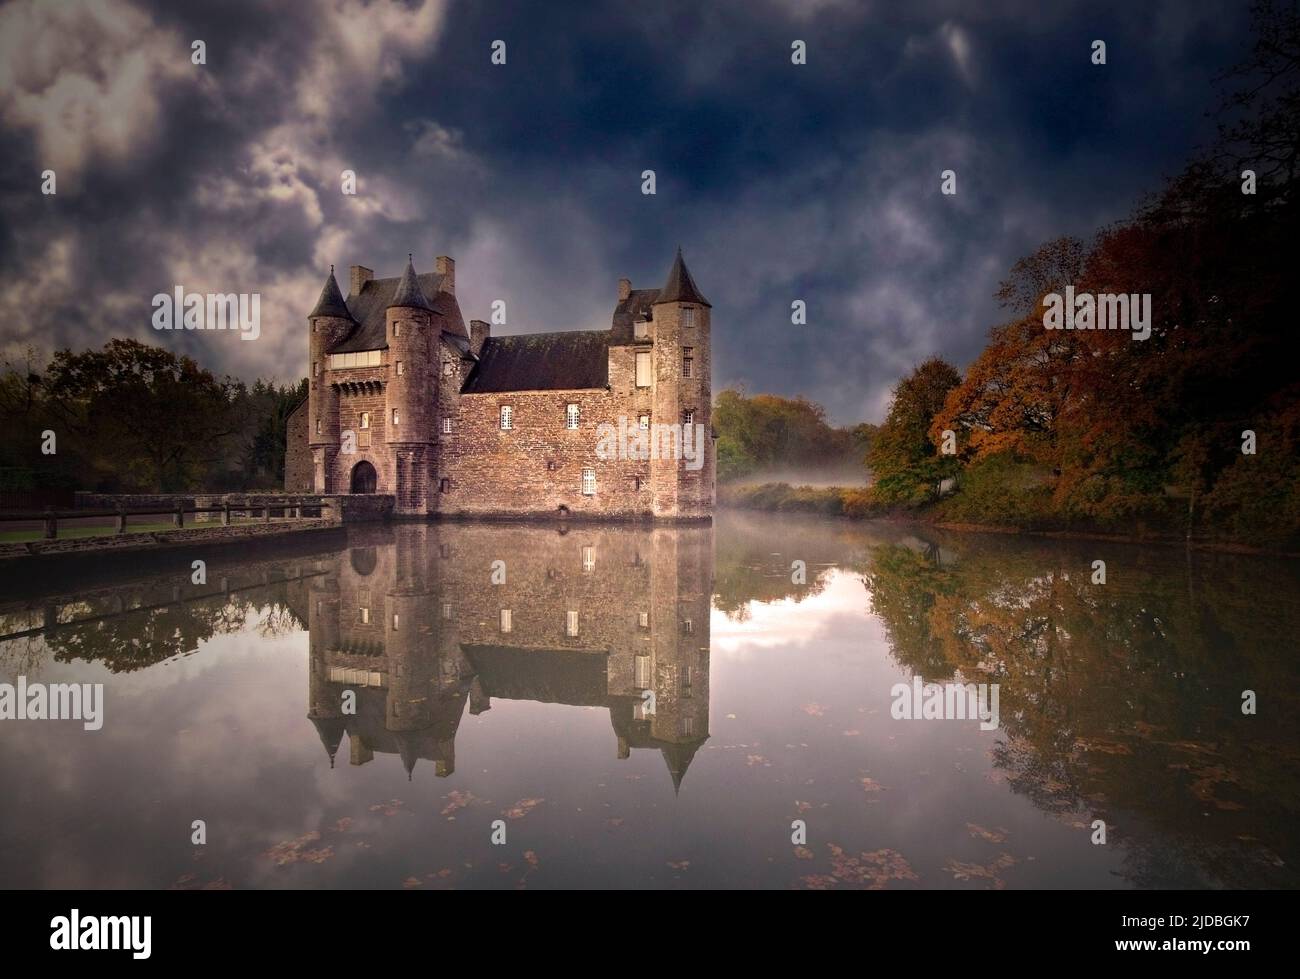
(666, 707)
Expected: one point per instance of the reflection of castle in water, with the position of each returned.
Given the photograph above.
(593, 617)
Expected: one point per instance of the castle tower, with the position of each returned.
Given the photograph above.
(410, 393)
(329, 323)
(683, 394)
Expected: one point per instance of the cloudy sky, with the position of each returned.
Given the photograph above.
(817, 182)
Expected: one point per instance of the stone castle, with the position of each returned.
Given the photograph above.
(404, 400)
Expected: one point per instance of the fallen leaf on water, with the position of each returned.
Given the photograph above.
(388, 808)
(987, 835)
(976, 871)
(870, 785)
(531, 857)
(342, 825)
(802, 806)
(412, 882)
(298, 851)
(522, 808)
(679, 864)
(813, 710)
(873, 870)
(752, 760)
(458, 800)
(803, 853)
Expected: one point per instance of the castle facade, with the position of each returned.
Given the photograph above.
(404, 399)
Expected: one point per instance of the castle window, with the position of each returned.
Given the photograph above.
(444, 485)
(446, 610)
(589, 482)
(686, 681)
(643, 620)
(688, 416)
(365, 615)
(643, 369)
(397, 329)
(446, 425)
(315, 368)
(395, 419)
(688, 726)
(571, 416)
(688, 316)
(507, 417)
(688, 361)
(396, 621)
(400, 370)
(636, 483)
(444, 551)
(571, 624)
(588, 558)
(687, 627)
(317, 426)
(362, 358)
(507, 620)
(365, 419)
(643, 423)
(642, 677)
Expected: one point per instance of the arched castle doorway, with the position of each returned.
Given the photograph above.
(364, 479)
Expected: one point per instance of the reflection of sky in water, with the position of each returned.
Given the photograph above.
(797, 723)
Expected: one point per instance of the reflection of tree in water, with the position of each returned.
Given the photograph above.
(125, 640)
(750, 569)
(1122, 701)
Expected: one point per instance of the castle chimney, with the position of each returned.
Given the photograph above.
(360, 276)
(479, 331)
(446, 267)
(624, 289)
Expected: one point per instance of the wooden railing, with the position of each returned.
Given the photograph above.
(290, 508)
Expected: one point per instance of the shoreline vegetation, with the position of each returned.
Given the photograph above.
(859, 503)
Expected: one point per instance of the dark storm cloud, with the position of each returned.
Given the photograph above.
(782, 182)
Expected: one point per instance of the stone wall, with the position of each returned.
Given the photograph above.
(297, 454)
(535, 467)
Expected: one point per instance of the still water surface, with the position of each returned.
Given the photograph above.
(525, 702)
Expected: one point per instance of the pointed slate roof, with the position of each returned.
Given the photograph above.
(331, 301)
(680, 287)
(409, 292)
(565, 361)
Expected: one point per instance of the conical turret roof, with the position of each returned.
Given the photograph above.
(680, 287)
(409, 292)
(331, 301)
